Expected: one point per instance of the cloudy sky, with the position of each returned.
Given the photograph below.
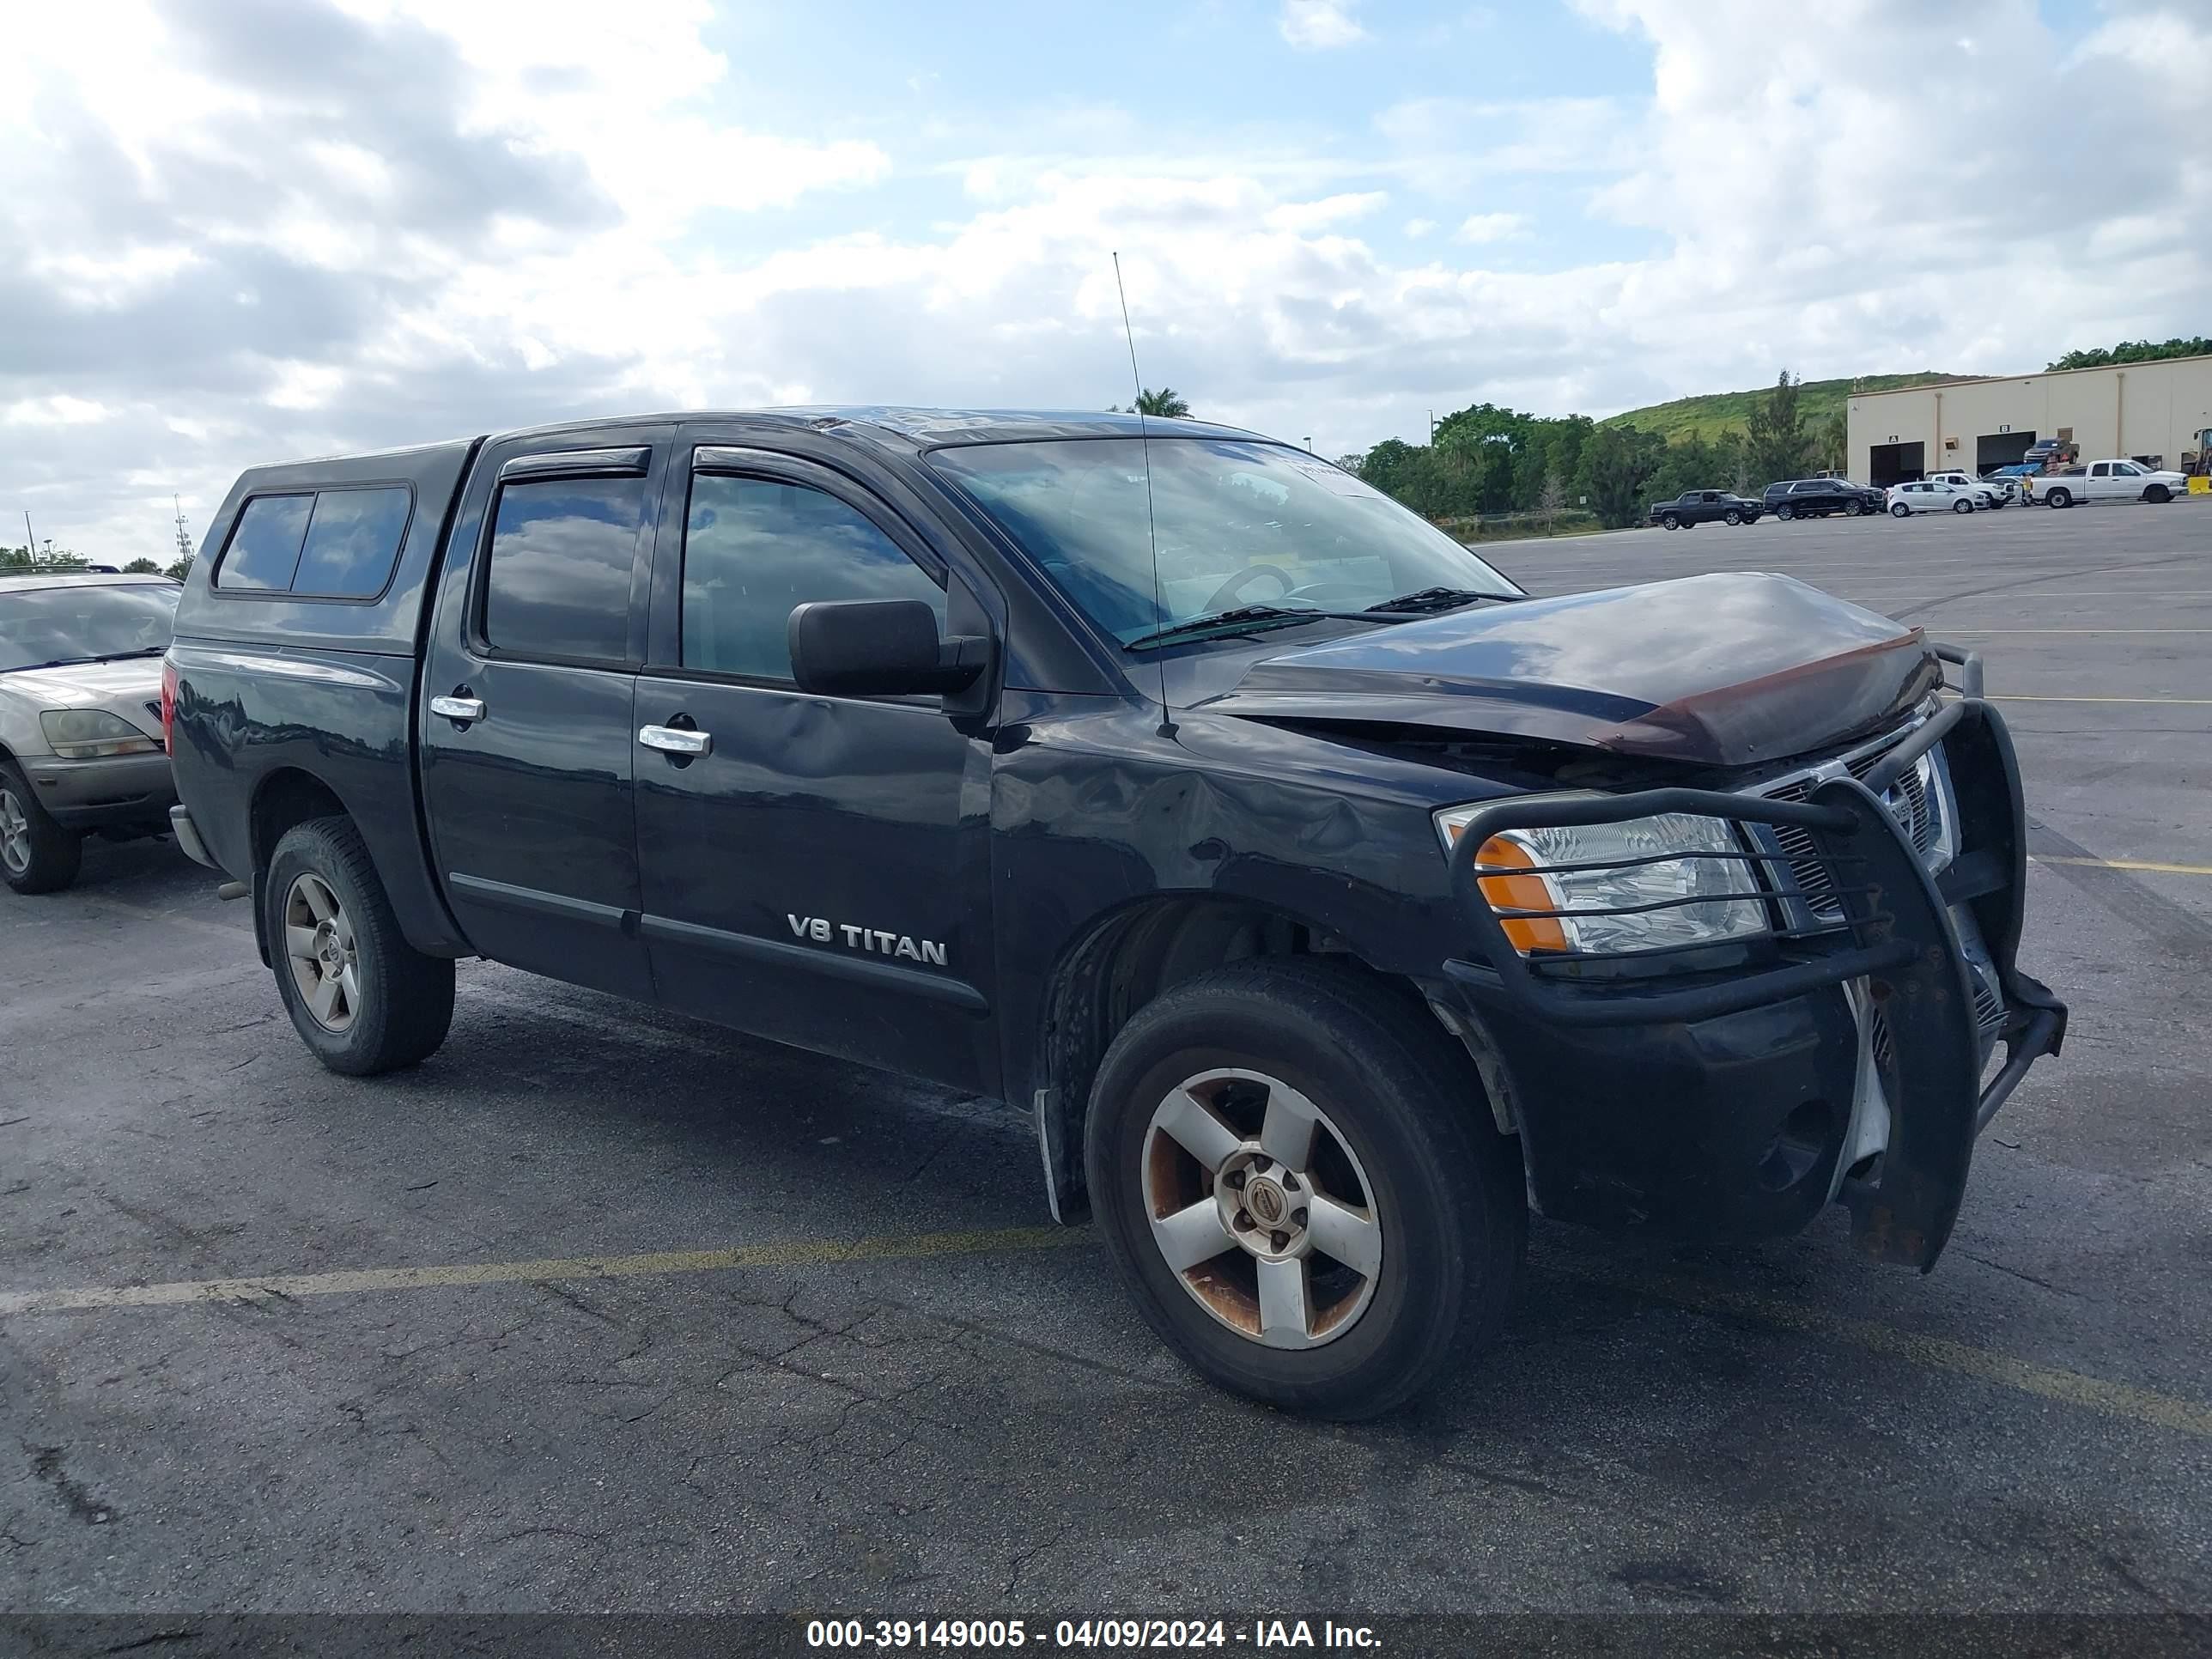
(241, 230)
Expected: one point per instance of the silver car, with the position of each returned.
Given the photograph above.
(81, 742)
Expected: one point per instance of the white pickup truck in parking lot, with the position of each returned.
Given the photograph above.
(2106, 480)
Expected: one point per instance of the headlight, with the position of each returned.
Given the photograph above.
(86, 733)
(1726, 903)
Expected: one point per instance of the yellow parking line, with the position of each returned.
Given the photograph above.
(805, 1253)
(2075, 1388)
(2125, 864)
(2094, 1393)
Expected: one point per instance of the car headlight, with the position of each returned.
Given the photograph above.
(1630, 864)
(88, 733)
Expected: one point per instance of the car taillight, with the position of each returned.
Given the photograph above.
(168, 705)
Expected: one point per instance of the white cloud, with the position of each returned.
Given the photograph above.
(1303, 216)
(220, 277)
(1320, 25)
(1491, 228)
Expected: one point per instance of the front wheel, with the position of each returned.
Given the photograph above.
(1732, 516)
(361, 997)
(1899, 510)
(1302, 1188)
(1853, 508)
(2159, 494)
(37, 854)
(1962, 505)
(1785, 513)
(1670, 522)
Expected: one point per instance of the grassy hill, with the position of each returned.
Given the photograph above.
(1710, 416)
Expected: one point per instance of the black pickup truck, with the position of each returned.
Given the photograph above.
(1322, 897)
(1697, 506)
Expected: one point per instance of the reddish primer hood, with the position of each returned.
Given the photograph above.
(1731, 670)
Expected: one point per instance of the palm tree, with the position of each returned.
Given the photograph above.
(1167, 402)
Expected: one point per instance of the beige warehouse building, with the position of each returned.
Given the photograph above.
(2154, 411)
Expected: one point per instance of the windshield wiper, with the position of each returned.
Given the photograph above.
(1439, 599)
(1250, 618)
(79, 662)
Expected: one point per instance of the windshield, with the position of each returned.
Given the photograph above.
(83, 621)
(1238, 523)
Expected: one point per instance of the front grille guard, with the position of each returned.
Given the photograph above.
(1895, 933)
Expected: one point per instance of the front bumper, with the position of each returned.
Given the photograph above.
(1837, 1060)
(135, 790)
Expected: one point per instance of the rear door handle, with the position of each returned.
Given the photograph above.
(459, 709)
(676, 740)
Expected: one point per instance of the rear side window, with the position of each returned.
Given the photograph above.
(265, 545)
(334, 544)
(353, 541)
(755, 550)
(561, 553)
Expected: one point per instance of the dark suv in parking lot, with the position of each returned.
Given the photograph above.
(1322, 899)
(1808, 498)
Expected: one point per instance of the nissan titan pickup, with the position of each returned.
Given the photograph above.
(1325, 901)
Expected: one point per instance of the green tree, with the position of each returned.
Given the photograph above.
(180, 570)
(1616, 464)
(1167, 404)
(142, 568)
(2137, 351)
(1779, 443)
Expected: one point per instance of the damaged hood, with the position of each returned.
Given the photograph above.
(1715, 671)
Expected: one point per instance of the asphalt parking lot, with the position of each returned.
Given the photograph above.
(601, 1309)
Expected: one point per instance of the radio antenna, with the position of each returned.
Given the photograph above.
(1151, 525)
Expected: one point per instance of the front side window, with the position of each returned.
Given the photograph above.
(1235, 522)
(2126, 470)
(79, 621)
(264, 545)
(754, 549)
(561, 553)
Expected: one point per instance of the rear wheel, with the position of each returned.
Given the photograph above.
(1899, 510)
(1302, 1188)
(2059, 497)
(2159, 494)
(359, 996)
(37, 854)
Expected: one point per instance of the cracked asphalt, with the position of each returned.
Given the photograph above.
(981, 1424)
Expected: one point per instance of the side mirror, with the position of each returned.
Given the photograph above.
(880, 648)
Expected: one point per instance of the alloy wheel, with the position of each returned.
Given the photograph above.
(318, 949)
(14, 833)
(1259, 1207)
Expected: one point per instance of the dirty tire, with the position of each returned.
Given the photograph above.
(406, 997)
(37, 854)
(1444, 1186)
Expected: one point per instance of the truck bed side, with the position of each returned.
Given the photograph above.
(289, 707)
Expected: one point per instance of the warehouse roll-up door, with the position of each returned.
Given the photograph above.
(2001, 449)
(1893, 463)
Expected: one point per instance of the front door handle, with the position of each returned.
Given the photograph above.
(676, 740)
(459, 709)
